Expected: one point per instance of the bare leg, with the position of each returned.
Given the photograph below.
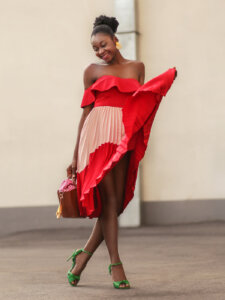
(91, 245)
(112, 198)
(117, 176)
(120, 176)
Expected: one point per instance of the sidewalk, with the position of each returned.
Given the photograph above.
(163, 262)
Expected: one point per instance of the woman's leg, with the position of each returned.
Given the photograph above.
(120, 176)
(91, 245)
(115, 178)
(109, 222)
(112, 189)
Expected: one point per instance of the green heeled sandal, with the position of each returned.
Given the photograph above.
(117, 284)
(72, 277)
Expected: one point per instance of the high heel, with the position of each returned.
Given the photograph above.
(72, 277)
(117, 284)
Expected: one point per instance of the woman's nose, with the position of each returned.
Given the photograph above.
(101, 51)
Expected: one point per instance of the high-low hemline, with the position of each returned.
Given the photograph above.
(140, 106)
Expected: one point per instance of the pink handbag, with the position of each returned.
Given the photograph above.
(68, 202)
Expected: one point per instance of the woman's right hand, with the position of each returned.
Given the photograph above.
(72, 170)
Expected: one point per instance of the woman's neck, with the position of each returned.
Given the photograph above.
(117, 59)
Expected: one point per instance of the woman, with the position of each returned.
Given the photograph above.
(118, 111)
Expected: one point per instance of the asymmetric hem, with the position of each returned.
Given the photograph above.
(121, 120)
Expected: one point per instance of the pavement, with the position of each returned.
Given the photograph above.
(161, 262)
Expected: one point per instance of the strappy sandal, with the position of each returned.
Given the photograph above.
(117, 284)
(72, 277)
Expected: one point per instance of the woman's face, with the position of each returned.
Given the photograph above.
(104, 46)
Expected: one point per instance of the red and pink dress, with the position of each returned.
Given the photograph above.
(120, 121)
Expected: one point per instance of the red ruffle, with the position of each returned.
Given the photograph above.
(139, 112)
(158, 85)
(106, 82)
(143, 104)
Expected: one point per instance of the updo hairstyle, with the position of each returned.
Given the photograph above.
(104, 24)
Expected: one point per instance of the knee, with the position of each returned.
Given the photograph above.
(109, 206)
(111, 210)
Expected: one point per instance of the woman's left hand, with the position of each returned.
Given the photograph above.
(175, 74)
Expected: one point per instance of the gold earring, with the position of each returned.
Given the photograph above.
(118, 45)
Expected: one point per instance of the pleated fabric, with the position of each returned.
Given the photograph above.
(103, 125)
(120, 121)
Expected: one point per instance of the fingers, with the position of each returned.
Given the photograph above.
(71, 172)
(74, 170)
(74, 177)
(69, 168)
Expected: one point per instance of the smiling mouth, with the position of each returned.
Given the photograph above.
(104, 57)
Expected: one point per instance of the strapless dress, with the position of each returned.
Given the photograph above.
(120, 121)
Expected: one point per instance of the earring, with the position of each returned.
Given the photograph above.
(118, 45)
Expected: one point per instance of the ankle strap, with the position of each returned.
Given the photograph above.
(82, 249)
(115, 264)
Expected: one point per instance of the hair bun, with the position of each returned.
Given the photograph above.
(110, 21)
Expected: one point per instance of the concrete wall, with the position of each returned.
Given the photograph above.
(45, 46)
(185, 158)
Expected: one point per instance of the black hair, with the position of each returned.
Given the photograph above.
(106, 25)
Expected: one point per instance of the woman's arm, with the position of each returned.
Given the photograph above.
(86, 111)
(141, 68)
(87, 79)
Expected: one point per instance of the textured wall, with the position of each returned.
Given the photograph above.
(45, 45)
(185, 157)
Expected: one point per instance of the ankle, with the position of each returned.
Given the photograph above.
(115, 259)
(88, 251)
(86, 256)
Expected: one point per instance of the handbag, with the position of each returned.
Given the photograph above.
(68, 200)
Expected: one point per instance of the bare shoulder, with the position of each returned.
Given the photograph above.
(139, 68)
(90, 74)
(139, 65)
(136, 63)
